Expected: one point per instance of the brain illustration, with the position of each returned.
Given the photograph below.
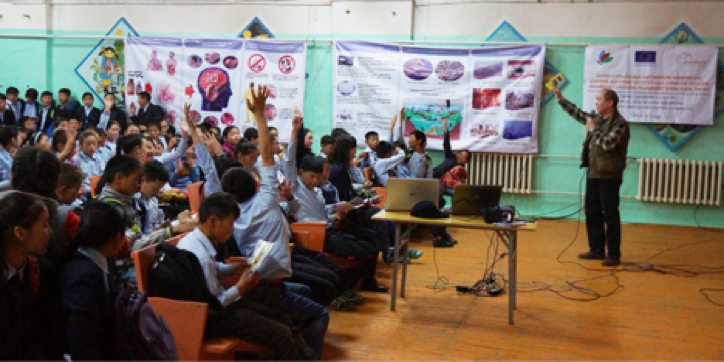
(210, 80)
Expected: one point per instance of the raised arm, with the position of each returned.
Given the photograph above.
(446, 140)
(570, 108)
(290, 160)
(69, 146)
(257, 107)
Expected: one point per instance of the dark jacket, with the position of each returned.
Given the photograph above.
(26, 314)
(69, 107)
(142, 118)
(49, 118)
(605, 148)
(91, 119)
(88, 314)
(340, 178)
(449, 162)
(119, 115)
(8, 118)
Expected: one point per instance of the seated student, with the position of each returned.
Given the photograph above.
(70, 186)
(111, 112)
(247, 153)
(61, 147)
(26, 280)
(372, 139)
(452, 160)
(232, 137)
(39, 140)
(135, 145)
(252, 135)
(153, 178)
(169, 158)
(91, 162)
(8, 143)
(60, 122)
(28, 123)
(105, 151)
(113, 131)
(88, 115)
(327, 146)
(88, 286)
(230, 313)
(74, 124)
(132, 129)
(262, 219)
(36, 171)
(7, 116)
(154, 131)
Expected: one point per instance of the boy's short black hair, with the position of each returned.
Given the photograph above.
(154, 171)
(7, 134)
(111, 123)
(70, 175)
(59, 120)
(326, 140)
(12, 90)
(224, 164)
(87, 94)
(85, 135)
(154, 123)
(32, 93)
(272, 128)
(419, 135)
(239, 183)
(109, 94)
(311, 163)
(221, 205)
(47, 93)
(65, 91)
(384, 149)
(3, 97)
(244, 148)
(145, 96)
(24, 119)
(35, 171)
(371, 134)
(251, 134)
(100, 223)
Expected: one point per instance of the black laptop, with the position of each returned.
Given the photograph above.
(470, 200)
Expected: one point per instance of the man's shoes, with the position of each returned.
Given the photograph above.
(353, 297)
(589, 255)
(342, 304)
(450, 238)
(442, 242)
(375, 288)
(611, 262)
(414, 254)
(390, 256)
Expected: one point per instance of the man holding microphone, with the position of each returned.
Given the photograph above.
(604, 153)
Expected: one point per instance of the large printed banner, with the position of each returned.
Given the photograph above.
(214, 76)
(655, 84)
(490, 96)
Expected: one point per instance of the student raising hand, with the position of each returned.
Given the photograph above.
(257, 106)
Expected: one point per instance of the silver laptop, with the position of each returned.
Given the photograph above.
(404, 193)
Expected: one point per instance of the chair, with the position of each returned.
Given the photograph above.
(382, 192)
(196, 195)
(311, 235)
(367, 171)
(187, 321)
(93, 183)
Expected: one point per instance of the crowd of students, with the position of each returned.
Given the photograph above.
(64, 253)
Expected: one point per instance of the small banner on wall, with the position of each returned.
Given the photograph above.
(655, 83)
(490, 96)
(214, 75)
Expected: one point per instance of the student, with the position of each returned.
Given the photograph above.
(29, 123)
(247, 153)
(60, 122)
(66, 104)
(88, 286)
(103, 150)
(91, 162)
(147, 111)
(111, 113)
(26, 280)
(232, 137)
(372, 139)
(8, 142)
(46, 113)
(262, 219)
(452, 160)
(252, 135)
(14, 103)
(36, 171)
(136, 146)
(7, 116)
(31, 106)
(39, 140)
(153, 178)
(153, 130)
(234, 315)
(327, 146)
(113, 131)
(62, 144)
(70, 185)
(88, 115)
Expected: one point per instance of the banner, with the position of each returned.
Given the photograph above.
(655, 84)
(214, 75)
(490, 96)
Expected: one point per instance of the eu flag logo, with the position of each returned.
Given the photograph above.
(645, 57)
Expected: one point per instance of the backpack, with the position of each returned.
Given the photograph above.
(142, 335)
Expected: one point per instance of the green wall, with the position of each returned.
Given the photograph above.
(49, 64)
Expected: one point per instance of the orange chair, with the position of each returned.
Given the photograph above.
(382, 192)
(367, 171)
(311, 235)
(93, 183)
(187, 321)
(196, 195)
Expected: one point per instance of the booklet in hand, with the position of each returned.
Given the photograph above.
(259, 255)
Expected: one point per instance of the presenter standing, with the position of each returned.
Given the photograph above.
(604, 153)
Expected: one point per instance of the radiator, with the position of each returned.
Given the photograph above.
(512, 171)
(680, 181)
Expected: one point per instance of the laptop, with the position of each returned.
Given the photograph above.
(404, 193)
(469, 200)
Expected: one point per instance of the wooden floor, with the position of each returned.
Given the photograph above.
(654, 316)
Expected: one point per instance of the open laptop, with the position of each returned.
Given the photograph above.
(404, 193)
(469, 200)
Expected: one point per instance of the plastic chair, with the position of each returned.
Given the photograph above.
(196, 196)
(93, 183)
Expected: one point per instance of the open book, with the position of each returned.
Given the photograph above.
(260, 253)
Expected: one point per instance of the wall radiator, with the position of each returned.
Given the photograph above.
(680, 181)
(512, 171)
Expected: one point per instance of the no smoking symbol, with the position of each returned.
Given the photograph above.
(257, 63)
(287, 64)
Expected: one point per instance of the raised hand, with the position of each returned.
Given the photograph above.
(558, 94)
(297, 123)
(258, 102)
(109, 103)
(132, 108)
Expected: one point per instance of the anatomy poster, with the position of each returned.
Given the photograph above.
(489, 96)
(213, 75)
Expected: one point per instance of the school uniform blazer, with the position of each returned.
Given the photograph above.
(142, 118)
(91, 119)
(88, 309)
(49, 118)
(8, 118)
(340, 178)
